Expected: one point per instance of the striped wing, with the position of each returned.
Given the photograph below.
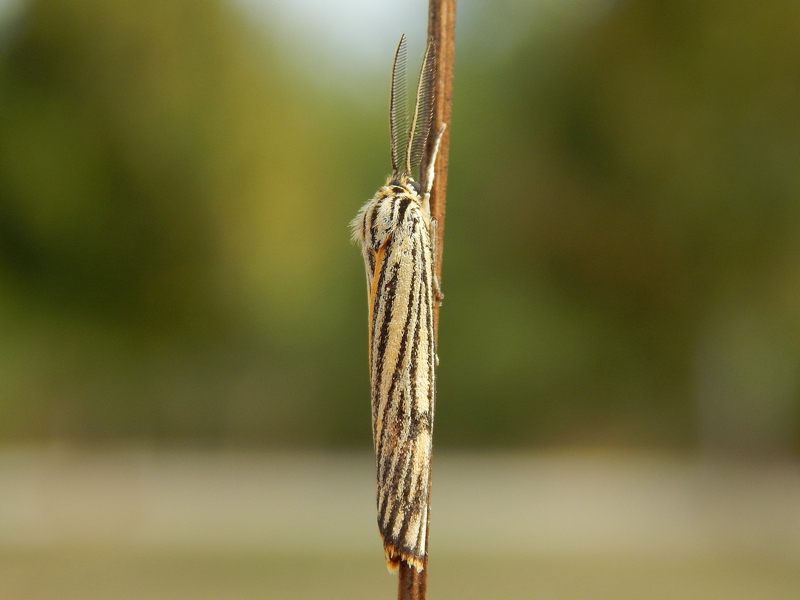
(400, 274)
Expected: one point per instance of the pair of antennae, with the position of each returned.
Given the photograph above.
(409, 138)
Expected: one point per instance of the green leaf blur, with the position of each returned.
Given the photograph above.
(622, 259)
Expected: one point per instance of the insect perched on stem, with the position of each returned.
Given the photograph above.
(397, 236)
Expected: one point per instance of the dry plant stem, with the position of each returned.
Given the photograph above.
(412, 585)
(441, 28)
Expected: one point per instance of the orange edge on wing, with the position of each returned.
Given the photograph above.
(394, 556)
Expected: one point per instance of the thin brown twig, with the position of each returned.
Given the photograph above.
(412, 584)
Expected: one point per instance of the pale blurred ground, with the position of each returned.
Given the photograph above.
(147, 524)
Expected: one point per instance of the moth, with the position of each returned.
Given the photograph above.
(397, 237)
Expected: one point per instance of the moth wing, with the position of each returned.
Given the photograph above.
(402, 365)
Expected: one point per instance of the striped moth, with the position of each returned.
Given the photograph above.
(397, 234)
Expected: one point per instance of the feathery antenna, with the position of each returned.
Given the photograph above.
(423, 109)
(398, 108)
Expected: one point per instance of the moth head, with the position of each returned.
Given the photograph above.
(405, 181)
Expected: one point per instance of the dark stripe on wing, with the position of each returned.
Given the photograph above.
(405, 506)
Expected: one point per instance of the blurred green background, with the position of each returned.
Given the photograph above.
(622, 259)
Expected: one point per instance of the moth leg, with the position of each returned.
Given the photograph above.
(429, 175)
(426, 204)
(437, 289)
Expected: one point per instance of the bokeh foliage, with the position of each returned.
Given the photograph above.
(621, 260)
